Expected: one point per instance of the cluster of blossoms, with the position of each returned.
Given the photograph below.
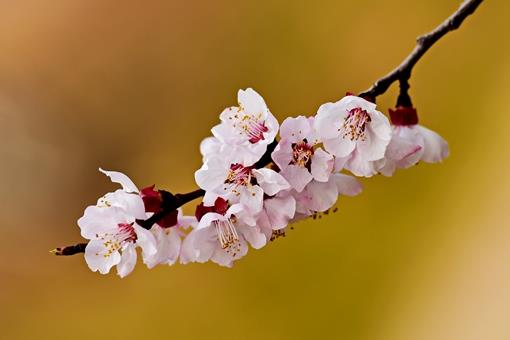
(254, 185)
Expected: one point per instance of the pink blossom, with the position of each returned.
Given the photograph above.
(220, 236)
(410, 143)
(238, 183)
(168, 240)
(355, 132)
(299, 156)
(321, 196)
(249, 127)
(111, 227)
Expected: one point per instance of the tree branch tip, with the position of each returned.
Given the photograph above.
(56, 251)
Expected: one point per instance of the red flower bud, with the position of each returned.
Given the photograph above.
(404, 115)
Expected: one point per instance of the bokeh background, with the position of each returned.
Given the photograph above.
(135, 86)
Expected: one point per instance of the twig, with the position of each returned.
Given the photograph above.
(403, 71)
(69, 250)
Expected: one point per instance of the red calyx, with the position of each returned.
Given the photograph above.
(153, 201)
(403, 115)
(220, 207)
(169, 220)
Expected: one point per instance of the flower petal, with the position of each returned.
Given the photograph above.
(224, 132)
(347, 185)
(225, 259)
(98, 258)
(123, 180)
(98, 220)
(351, 102)
(212, 174)
(435, 147)
(295, 129)
(146, 240)
(270, 181)
(208, 219)
(251, 101)
(319, 196)
(329, 120)
(131, 203)
(210, 146)
(128, 261)
(297, 176)
(252, 198)
(372, 147)
(360, 166)
(199, 246)
(272, 128)
(282, 154)
(380, 125)
(322, 165)
(339, 146)
(168, 247)
(280, 210)
(253, 235)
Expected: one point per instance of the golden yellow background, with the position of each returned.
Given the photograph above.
(135, 86)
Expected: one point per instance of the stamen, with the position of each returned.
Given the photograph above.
(277, 233)
(238, 175)
(228, 237)
(103, 203)
(354, 125)
(250, 125)
(302, 154)
(113, 242)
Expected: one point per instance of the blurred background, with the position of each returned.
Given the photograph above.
(135, 86)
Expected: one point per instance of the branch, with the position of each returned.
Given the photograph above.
(69, 250)
(403, 71)
(170, 204)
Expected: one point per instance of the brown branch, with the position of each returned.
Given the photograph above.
(69, 250)
(170, 204)
(403, 71)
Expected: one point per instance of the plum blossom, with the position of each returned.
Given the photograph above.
(410, 143)
(220, 236)
(354, 132)
(212, 146)
(276, 214)
(169, 240)
(111, 227)
(321, 196)
(298, 154)
(238, 183)
(249, 127)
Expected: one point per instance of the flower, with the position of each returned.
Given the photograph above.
(410, 143)
(298, 154)
(168, 240)
(238, 183)
(355, 132)
(249, 126)
(111, 227)
(321, 196)
(220, 236)
(405, 150)
(276, 214)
